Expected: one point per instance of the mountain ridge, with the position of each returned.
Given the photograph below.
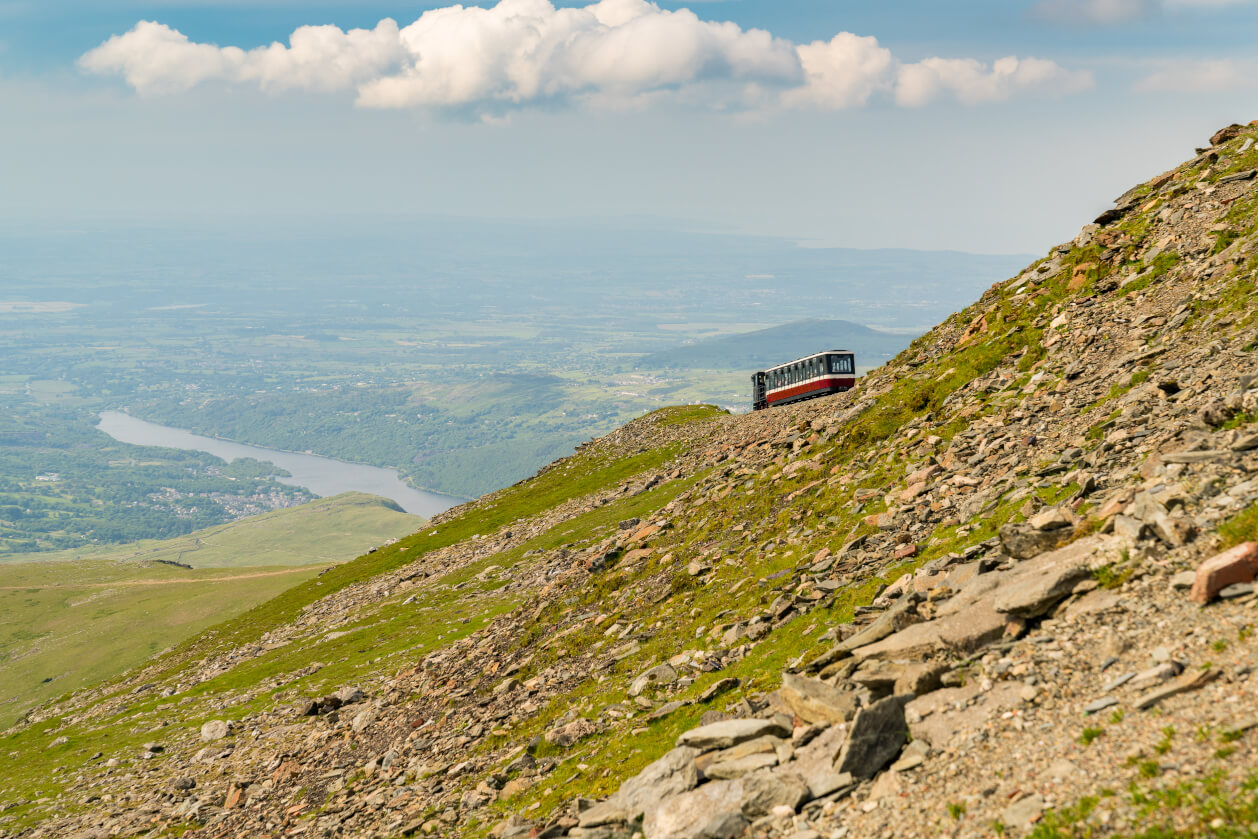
(999, 544)
(763, 348)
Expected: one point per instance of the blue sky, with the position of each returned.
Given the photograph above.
(993, 126)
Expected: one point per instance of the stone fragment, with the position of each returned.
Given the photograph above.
(671, 775)
(738, 767)
(604, 812)
(660, 674)
(1238, 565)
(1192, 680)
(899, 616)
(875, 738)
(349, 695)
(215, 730)
(717, 688)
(1101, 704)
(1023, 541)
(569, 733)
(1024, 812)
(765, 791)
(713, 811)
(813, 701)
(722, 735)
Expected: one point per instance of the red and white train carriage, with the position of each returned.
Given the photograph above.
(832, 371)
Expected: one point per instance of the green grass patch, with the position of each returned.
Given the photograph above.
(1242, 527)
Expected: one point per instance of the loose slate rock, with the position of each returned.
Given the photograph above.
(764, 791)
(727, 733)
(671, 775)
(1100, 704)
(878, 734)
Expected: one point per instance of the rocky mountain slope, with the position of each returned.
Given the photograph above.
(1001, 588)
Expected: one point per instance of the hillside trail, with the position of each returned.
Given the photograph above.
(119, 583)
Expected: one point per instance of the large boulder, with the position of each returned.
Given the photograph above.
(877, 735)
(660, 674)
(726, 733)
(215, 730)
(713, 811)
(671, 775)
(765, 790)
(813, 700)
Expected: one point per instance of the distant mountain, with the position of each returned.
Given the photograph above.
(777, 344)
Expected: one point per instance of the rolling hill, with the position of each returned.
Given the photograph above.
(778, 344)
(73, 618)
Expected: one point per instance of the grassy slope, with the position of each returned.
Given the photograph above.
(440, 616)
(92, 614)
(69, 625)
(324, 531)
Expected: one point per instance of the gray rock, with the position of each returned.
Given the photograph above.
(813, 701)
(660, 674)
(717, 688)
(913, 756)
(722, 735)
(215, 730)
(1099, 704)
(1036, 586)
(349, 695)
(765, 790)
(561, 736)
(899, 616)
(738, 767)
(964, 631)
(1024, 812)
(670, 776)
(877, 735)
(1024, 541)
(604, 812)
(713, 811)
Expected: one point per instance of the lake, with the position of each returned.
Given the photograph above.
(323, 476)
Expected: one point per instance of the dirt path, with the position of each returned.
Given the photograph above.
(119, 583)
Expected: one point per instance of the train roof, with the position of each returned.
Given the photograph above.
(805, 358)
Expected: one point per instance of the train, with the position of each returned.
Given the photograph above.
(832, 371)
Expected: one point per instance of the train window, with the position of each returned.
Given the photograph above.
(840, 364)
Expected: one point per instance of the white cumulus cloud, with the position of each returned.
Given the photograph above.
(611, 52)
(973, 82)
(153, 58)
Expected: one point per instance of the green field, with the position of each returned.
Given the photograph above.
(325, 531)
(74, 621)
